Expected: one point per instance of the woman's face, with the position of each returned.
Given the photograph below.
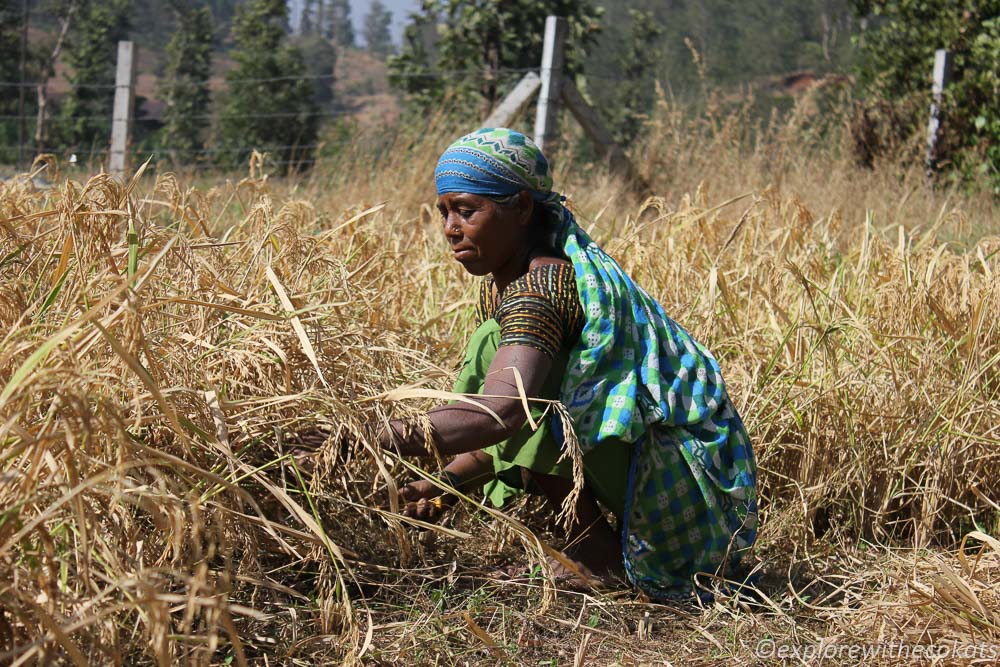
(485, 237)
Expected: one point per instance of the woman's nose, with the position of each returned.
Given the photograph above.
(451, 226)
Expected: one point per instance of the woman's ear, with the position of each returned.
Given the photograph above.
(525, 206)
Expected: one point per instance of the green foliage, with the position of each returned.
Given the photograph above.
(223, 12)
(898, 58)
(92, 51)
(411, 70)
(339, 27)
(10, 72)
(984, 107)
(721, 43)
(10, 52)
(320, 58)
(761, 37)
(269, 106)
(185, 88)
(306, 19)
(634, 89)
(377, 36)
(151, 17)
(476, 41)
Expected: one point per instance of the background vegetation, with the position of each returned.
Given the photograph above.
(463, 56)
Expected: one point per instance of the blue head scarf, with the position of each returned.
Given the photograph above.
(496, 162)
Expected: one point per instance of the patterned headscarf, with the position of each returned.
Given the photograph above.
(496, 163)
(633, 366)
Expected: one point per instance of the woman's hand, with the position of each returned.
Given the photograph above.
(424, 501)
(309, 444)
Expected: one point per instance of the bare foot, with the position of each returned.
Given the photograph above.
(567, 573)
(573, 574)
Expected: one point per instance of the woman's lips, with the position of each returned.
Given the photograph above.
(462, 253)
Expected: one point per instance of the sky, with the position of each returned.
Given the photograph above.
(359, 9)
(400, 14)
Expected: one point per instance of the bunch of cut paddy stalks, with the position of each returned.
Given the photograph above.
(160, 343)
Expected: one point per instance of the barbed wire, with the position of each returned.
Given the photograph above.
(216, 151)
(281, 114)
(429, 73)
(14, 147)
(35, 84)
(269, 163)
(208, 116)
(238, 149)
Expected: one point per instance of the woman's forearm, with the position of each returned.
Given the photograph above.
(516, 370)
(456, 428)
(471, 470)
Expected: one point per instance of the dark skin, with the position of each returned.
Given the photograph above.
(490, 238)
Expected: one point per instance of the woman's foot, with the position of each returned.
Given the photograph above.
(600, 553)
(590, 539)
(567, 574)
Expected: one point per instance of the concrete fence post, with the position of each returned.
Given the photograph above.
(553, 57)
(121, 120)
(942, 75)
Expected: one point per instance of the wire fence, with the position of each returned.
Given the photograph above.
(21, 140)
(61, 134)
(430, 73)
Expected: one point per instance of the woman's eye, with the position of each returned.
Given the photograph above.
(465, 212)
(443, 212)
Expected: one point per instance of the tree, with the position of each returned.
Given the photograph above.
(377, 36)
(185, 88)
(11, 25)
(635, 88)
(338, 23)
(897, 60)
(223, 12)
(411, 70)
(92, 49)
(320, 59)
(154, 15)
(270, 106)
(10, 51)
(479, 42)
(306, 23)
(64, 11)
(736, 42)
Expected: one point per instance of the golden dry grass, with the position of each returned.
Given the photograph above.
(160, 339)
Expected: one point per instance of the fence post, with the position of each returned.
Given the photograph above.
(553, 57)
(942, 75)
(510, 106)
(603, 141)
(121, 120)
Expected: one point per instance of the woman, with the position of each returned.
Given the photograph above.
(663, 447)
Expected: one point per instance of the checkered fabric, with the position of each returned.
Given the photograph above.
(636, 376)
(679, 521)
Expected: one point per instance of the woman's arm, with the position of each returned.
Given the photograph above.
(461, 427)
